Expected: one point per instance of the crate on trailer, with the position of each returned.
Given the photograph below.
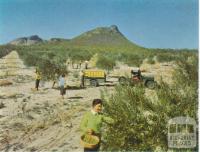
(94, 76)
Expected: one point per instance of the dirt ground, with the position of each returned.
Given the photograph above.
(40, 120)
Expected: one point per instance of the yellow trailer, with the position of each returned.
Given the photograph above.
(94, 76)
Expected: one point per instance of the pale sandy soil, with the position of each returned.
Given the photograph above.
(40, 120)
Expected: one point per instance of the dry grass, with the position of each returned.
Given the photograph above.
(50, 116)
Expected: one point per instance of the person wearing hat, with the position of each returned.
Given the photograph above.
(37, 79)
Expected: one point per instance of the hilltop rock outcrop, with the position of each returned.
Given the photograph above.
(103, 37)
(27, 40)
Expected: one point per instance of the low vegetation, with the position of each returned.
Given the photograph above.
(5, 49)
(140, 122)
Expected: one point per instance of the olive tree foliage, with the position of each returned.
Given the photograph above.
(105, 62)
(186, 84)
(183, 93)
(94, 59)
(5, 49)
(141, 119)
(137, 125)
(77, 55)
(133, 59)
(49, 63)
(51, 69)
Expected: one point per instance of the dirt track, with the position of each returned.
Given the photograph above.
(40, 120)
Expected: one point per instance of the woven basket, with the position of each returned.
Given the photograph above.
(89, 145)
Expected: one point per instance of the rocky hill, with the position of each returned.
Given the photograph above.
(27, 40)
(103, 36)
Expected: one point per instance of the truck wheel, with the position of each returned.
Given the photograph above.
(150, 84)
(94, 83)
(122, 80)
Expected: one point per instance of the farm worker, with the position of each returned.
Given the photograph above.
(86, 64)
(80, 64)
(136, 74)
(92, 121)
(62, 85)
(55, 79)
(37, 79)
(82, 78)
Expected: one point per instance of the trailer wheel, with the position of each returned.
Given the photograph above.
(122, 80)
(94, 83)
(150, 84)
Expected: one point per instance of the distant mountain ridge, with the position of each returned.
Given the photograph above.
(27, 40)
(100, 37)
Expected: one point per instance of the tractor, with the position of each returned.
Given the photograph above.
(138, 78)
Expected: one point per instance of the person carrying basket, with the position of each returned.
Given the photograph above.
(91, 126)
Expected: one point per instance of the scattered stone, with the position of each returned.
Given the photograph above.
(77, 97)
(15, 95)
(65, 103)
(74, 104)
(46, 104)
(2, 97)
(2, 105)
(18, 147)
(69, 125)
(5, 83)
(15, 99)
(1, 116)
(23, 79)
(19, 95)
(30, 117)
(18, 125)
(77, 115)
(25, 100)
(33, 149)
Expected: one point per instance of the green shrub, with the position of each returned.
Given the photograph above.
(79, 55)
(105, 62)
(134, 59)
(51, 68)
(132, 130)
(49, 64)
(141, 121)
(75, 74)
(6, 49)
(167, 56)
(150, 61)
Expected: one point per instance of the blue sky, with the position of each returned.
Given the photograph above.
(149, 23)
